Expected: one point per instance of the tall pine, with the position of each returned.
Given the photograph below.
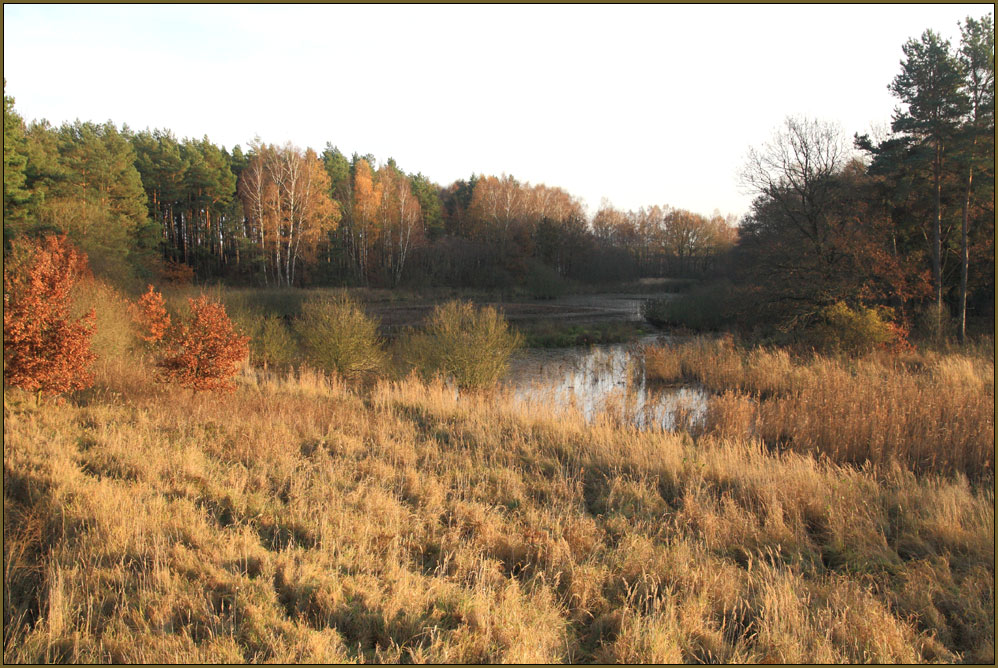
(931, 85)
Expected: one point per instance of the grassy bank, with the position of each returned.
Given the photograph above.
(304, 519)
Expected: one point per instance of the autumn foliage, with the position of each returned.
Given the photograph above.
(204, 351)
(150, 316)
(177, 273)
(44, 349)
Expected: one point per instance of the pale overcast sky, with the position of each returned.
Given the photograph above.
(639, 104)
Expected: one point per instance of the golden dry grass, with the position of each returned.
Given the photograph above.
(304, 519)
(930, 411)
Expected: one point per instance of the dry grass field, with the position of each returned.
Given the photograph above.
(305, 519)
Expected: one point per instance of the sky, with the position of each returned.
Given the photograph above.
(638, 104)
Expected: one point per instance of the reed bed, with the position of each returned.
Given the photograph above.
(928, 411)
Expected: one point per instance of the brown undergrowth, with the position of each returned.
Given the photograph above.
(304, 519)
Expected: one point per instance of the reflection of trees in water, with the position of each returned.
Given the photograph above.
(607, 380)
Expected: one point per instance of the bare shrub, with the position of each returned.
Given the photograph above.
(338, 336)
(471, 345)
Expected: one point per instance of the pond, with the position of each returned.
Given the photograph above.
(606, 378)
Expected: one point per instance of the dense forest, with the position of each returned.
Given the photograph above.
(280, 215)
(904, 221)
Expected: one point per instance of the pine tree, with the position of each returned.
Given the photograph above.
(977, 60)
(930, 83)
(15, 195)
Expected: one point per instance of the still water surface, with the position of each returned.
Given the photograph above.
(605, 378)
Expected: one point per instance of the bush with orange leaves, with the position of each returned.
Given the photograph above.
(203, 352)
(177, 273)
(150, 316)
(44, 350)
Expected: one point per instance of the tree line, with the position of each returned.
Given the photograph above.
(904, 220)
(906, 224)
(281, 215)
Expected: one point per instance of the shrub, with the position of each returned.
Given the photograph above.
(272, 341)
(44, 350)
(204, 351)
(338, 335)
(150, 316)
(473, 346)
(849, 330)
(705, 307)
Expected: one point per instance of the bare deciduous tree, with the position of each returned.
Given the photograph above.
(794, 169)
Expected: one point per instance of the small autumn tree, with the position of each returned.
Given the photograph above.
(44, 350)
(204, 351)
(150, 316)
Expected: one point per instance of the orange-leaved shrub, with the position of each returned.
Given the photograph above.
(150, 316)
(203, 352)
(177, 273)
(45, 350)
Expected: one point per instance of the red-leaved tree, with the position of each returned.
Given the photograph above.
(150, 316)
(45, 350)
(204, 351)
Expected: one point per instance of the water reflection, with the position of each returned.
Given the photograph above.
(606, 379)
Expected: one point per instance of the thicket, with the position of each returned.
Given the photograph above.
(471, 345)
(549, 334)
(855, 330)
(338, 336)
(710, 306)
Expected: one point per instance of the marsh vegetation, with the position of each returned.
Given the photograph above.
(813, 509)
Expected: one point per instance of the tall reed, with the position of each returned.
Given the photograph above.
(928, 411)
